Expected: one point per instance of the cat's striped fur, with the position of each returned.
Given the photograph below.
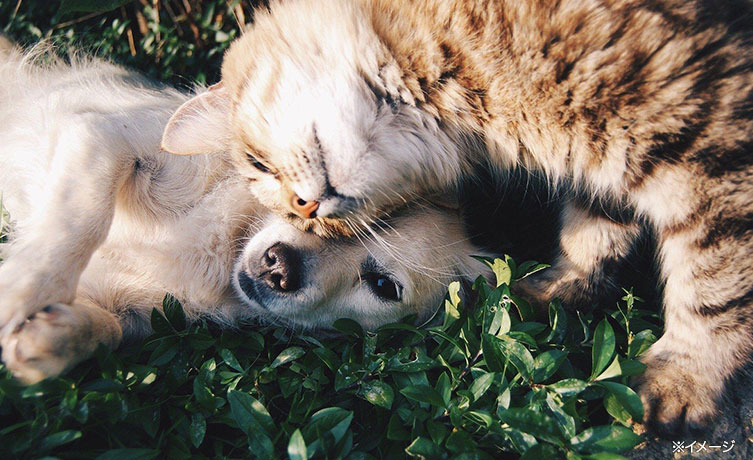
(644, 106)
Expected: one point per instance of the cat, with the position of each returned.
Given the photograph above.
(104, 224)
(342, 110)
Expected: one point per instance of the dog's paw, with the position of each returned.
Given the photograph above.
(677, 401)
(47, 343)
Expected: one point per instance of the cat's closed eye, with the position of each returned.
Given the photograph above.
(256, 163)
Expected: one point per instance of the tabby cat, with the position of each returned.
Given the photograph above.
(340, 111)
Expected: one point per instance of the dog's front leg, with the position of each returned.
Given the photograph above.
(55, 339)
(71, 217)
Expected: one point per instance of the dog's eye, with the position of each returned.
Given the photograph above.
(257, 164)
(384, 286)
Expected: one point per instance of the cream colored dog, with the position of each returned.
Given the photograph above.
(105, 223)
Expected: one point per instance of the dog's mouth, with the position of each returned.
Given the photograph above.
(250, 288)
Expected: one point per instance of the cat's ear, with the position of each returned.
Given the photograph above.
(200, 125)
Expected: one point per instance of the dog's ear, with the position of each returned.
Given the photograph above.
(200, 125)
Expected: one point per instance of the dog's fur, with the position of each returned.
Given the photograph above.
(105, 224)
(641, 106)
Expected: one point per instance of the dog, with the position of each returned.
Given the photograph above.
(105, 223)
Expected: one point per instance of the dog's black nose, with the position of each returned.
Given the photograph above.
(281, 268)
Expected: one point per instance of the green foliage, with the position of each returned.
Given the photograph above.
(489, 380)
(177, 41)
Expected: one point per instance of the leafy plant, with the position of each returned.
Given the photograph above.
(490, 381)
(178, 41)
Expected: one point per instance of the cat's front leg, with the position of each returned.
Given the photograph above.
(71, 216)
(56, 338)
(591, 248)
(708, 302)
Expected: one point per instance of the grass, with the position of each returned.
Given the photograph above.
(490, 381)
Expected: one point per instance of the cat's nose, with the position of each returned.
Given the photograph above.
(304, 209)
(280, 265)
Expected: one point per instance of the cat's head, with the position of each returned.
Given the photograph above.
(317, 115)
(304, 281)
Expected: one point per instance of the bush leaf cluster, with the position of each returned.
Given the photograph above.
(486, 380)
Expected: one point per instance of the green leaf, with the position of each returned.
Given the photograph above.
(297, 447)
(460, 441)
(443, 388)
(58, 439)
(539, 452)
(546, 364)
(328, 357)
(632, 367)
(504, 398)
(424, 394)
(329, 422)
(164, 353)
(529, 268)
(378, 393)
(454, 292)
(612, 438)
(347, 375)
(565, 421)
(287, 355)
(349, 327)
(603, 348)
(252, 417)
(613, 370)
(558, 323)
(616, 409)
(568, 387)
(396, 430)
(480, 384)
(518, 355)
(160, 324)
(525, 310)
(424, 448)
(532, 422)
(230, 360)
(480, 417)
(197, 430)
(174, 312)
(640, 343)
(627, 397)
(495, 359)
(204, 395)
(501, 270)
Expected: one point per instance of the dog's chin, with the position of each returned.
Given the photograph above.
(258, 297)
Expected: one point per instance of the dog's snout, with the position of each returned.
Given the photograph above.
(281, 268)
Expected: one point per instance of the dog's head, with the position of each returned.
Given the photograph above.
(301, 280)
(319, 116)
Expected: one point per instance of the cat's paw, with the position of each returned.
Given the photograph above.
(47, 343)
(677, 401)
(569, 286)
